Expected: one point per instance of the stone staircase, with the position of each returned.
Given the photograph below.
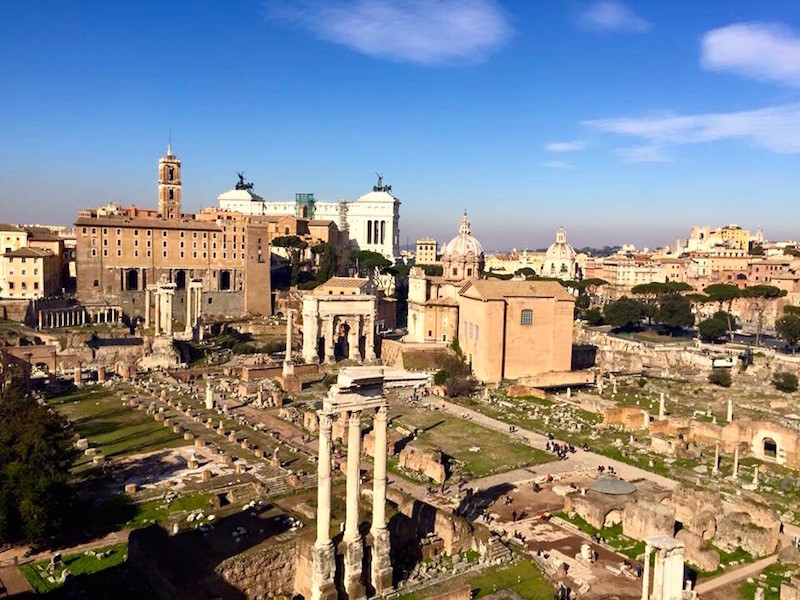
(497, 551)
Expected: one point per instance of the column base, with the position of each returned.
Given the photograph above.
(353, 569)
(381, 564)
(323, 586)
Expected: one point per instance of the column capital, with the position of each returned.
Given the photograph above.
(355, 417)
(382, 412)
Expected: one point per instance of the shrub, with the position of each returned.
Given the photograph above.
(785, 382)
(720, 377)
(593, 316)
(329, 379)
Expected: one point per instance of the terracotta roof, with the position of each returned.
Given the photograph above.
(497, 289)
(146, 223)
(30, 253)
(42, 234)
(9, 227)
(441, 302)
(325, 222)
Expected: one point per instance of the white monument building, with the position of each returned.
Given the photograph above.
(372, 222)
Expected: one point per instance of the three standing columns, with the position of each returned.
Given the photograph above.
(324, 564)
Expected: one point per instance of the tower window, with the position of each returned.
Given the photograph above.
(171, 194)
(171, 175)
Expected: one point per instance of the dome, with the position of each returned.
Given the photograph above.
(613, 486)
(463, 244)
(560, 249)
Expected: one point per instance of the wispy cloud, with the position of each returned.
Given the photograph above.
(775, 128)
(612, 17)
(440, 32)
(557, 164)
(764, 51)
(639, 154)
(573, 146)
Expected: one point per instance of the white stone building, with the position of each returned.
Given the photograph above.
(372, 222)
(560, 259)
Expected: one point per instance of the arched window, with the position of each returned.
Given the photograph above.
(171, 173)
(171, 194)
(526, 317)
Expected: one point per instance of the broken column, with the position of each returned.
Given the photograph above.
(288, 363)
(668, 568)
(209, 396)
(662, 413)
(715, 468)
(730, 410)
(735, 463)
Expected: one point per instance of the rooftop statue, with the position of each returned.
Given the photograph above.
(241, 185)
(379, 187)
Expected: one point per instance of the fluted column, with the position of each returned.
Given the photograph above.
(646, 574)
(354, 551)
(288, 363)
(157, 312)
(324, 559)
(381, 565)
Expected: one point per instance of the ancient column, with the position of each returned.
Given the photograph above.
(755, 476)
(369, 335)
(288, 363)
(715, 468)
(310, 337)
(646, 573)
(157, 313)
(324, 559)
(730, 410)
(661, 407)
(353, 338)
(77, 377)
(209, 396)
(168, 311)
(189, 309)
(381, 565)
(328, 333)
(735, 463)
(354, 551)
(658, 575)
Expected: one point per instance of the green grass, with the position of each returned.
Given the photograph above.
(522, 577)
(118, 512)
(775, 575)
(613, 536)
(78, 564)
(98, 414)
(455, 437)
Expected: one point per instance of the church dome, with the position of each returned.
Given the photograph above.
(560, 250)
(464, 244)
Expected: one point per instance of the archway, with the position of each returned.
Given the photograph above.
(770, 448)
(132, 279)
(341, 348)
(180, 279)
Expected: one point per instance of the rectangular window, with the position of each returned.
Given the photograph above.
(119, 253)
(105, 252)
(36, 285)
(119, 231)
(83, 230)
(148, 254)
(105, 230)
(94, 252)
(135, 232)
(136, 254)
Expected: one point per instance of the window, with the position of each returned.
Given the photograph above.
(83, 230)
(94, 251)
(119, 231)
(36, 285)
(96, 283)
(135, 232)
(11, 285)
(105, 230)
(526, 317)
(181, 233)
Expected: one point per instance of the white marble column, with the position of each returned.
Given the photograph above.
(354, 551)
(353, 339)
(189, 299)
(661, 407)
(157, 312)
(730, 410)
(381, 565)
(735, 463)
(288, 363)
(646, 573)
(329, 331)
(715, 467)
(168, 311)
(369, 335)
(324, 559)
(146, 308)
(310, 337)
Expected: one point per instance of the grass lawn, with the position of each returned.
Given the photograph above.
(78, 564)
(118, 512)
(775, 575)
(99, 415)
(455, 437)
(612, 535)
(522, 577)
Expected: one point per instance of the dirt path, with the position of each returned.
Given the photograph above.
(743, 572)
(23, 556)
(13, 582)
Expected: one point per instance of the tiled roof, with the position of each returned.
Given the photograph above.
(29, 253)
(497, 289)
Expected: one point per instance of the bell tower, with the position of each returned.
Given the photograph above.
(169, 186)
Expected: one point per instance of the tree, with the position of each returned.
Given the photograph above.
(623, 313)
(432, 270)
(367, 260)
(758, 298)
(720, 377)
(785, 382)
(593, 316)
(722, 293)
(294, 247)
(649, 293)
(788, 328)
(327, 263)
(712, 330)
(757, 250)
(36, 453)
(791, 310)
(674, 312)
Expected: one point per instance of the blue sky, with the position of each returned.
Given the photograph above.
(621, 122)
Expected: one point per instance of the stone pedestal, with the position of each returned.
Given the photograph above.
(353, 544)
(381, 564)
(323, 586)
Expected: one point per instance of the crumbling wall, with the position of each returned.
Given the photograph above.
(644, 518)
(697, 510)
(735, 530)
(457, 534)
(264, 573)
(697, 553)
(429, 463)
(629, 417)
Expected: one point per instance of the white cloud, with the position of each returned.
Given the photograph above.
(764, 51)
(613, 16)
(775, 128)
(557, 164)
(573, 146)
(428, 32)
(638, 154)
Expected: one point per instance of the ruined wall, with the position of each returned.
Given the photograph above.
(697, 553)
(428, 463)
(736, 530)
(643, 519)
(630, 418)
(264, 573)
(697, 510)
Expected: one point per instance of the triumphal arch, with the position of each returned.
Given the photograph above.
(358, 390)
(340, 315)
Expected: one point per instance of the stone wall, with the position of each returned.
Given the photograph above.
(736, 530)
(264, 573)
(697, 553)
(629, 417)
(426, 462)
(643, 519)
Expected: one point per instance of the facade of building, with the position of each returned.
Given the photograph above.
(371, 223)
(433, 300)
(31, 273)
(427, 252)
(515, 329)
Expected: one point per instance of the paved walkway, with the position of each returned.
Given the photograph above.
(749, 570)
(13, 582)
